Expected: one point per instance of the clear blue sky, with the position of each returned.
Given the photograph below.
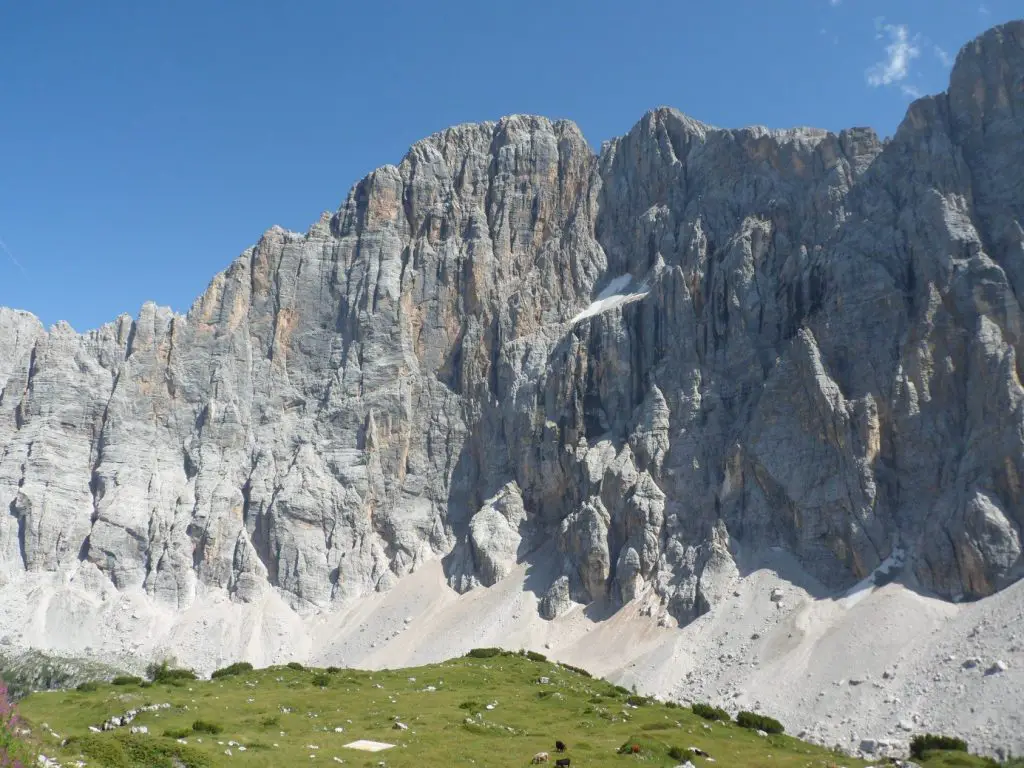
(145, 143)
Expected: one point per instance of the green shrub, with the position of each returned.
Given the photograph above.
(163, 672)
(126, 751)
(271, 721)
(577, 670)
(88, 686)
(710, 713)
(470, 705)
(333, 670)
(321, 679)
(295, 665)
(622, 690)
(672, 705)
(154, 754)
(204, 726)
(534, 656)
(107, 752)
(145, 684)
(483, 653)
(126, 680)
(232, 669)
(177, 733)
(678, 753)
(638, 701)
(758, 722)
(928, 741)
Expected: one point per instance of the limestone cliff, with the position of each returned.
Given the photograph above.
(697, 343)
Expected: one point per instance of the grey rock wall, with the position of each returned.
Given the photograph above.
(801, 339)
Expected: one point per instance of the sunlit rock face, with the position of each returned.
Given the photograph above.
(692, 345)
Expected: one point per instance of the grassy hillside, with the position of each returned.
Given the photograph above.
(492, 712)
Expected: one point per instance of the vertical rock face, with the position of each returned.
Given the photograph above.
(696, 342)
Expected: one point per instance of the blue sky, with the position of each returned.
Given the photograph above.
(143, 145)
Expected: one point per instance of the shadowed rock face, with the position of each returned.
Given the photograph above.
(804, 339)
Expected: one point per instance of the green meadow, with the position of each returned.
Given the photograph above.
(495, 711)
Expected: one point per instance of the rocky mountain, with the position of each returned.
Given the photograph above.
(656, 360)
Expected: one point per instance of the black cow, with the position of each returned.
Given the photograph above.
(563, 763)
(559, 746)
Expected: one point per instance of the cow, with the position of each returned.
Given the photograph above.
(540, 757)
(559, 746)
(563, 763)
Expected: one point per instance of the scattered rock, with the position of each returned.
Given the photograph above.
(996, 668)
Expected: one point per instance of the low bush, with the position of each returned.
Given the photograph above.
(107, 752)
(177, 733)
(321, 680)
(126, 751)
(622, 690)
(710, 713)
(163, 672)
(638, 701)
(757, 722)
(270, 721)
(577, 670)
(205, 726)
(295, 665)
(534, 656)
(930, 741)
(232, 669)
(473, 705)
(333, 670)
(88, 686)
(126, 680)
(678, 753)
(483, 653)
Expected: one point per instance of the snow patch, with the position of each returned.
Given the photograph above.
(878, 577)
(615, 294)
(369, 746)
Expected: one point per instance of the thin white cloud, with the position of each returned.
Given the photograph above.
(983, 9)
(834, 3)
(943, 56)
(911, 91)
(899, 53)
(5, 249)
